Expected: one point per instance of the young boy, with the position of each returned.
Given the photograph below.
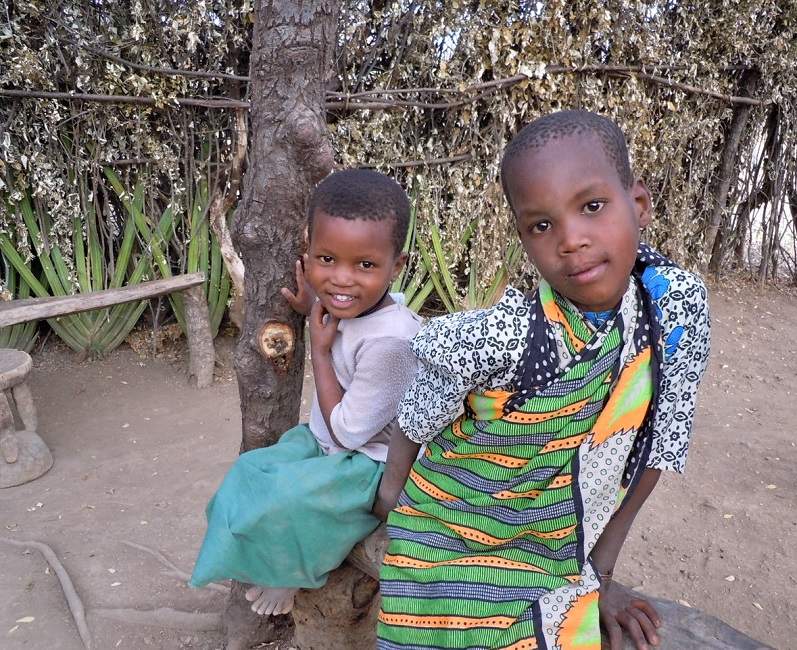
(287, 515)
(575, 398)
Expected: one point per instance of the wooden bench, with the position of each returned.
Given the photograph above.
(200, 340)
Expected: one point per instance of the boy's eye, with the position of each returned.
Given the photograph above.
(594, 206)
(367, 265)
(326, 259)
(541, 226)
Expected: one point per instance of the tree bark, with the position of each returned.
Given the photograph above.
(291, 58)
(724, 175)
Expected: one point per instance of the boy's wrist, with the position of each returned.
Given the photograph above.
(605, 576)
(319, 350)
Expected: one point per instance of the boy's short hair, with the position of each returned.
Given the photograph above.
(362, 194)
(562, 124)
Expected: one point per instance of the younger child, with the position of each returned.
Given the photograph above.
(575, 398)
(287, 515)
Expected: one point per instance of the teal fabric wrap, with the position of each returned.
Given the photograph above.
(287, 515)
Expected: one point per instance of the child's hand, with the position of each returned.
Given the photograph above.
(620, 610)
(302, 300)
(323, 328)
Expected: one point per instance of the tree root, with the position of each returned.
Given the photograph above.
(72, 599)
(163, 617)
(174, 571)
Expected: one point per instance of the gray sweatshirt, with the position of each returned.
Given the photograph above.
(374, 363)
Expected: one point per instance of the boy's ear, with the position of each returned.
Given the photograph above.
(643, 204)
(401, 260)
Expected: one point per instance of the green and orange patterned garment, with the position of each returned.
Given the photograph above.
(491, 537)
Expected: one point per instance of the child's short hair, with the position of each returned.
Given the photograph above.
(553, 126)
(362, 194)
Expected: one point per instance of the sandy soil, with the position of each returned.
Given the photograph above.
(138, 453)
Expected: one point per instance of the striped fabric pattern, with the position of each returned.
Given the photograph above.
(491, 518)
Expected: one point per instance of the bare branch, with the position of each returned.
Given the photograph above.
(421, 163)
(342, 101)
(222, 201)
(174, 102)
(174, 72)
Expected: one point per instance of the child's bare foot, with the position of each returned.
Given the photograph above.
(268, 601)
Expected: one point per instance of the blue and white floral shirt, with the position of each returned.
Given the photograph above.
(483, 349)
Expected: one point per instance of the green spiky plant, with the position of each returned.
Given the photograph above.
(201, 255)
(204, 254)
(22, 336)
(431, 275)
(99, 331)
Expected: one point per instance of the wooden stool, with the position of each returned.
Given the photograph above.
(23, 454)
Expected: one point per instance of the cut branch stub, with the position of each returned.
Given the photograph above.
(276, 342)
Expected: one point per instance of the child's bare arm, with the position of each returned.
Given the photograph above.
(620, 609)
(401, 454)
(323, 329)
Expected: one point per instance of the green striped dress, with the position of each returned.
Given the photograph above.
(491, 537)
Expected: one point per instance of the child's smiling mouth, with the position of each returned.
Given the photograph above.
(587, 272)
(341, 300)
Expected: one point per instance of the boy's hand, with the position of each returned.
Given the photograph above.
(323, 328)
(301, 301)
(621, 610)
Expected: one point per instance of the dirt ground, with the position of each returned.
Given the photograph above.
(138, 453)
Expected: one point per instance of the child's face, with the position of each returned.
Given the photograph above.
(351, 262)
(577, 221)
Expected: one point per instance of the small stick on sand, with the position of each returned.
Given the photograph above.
(72, 599)
(176, 572)
(163, 617)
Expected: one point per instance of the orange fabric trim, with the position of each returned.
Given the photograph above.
(508, 494)
(525, 644)
(608, 423)
(474, 560)
(456, 429)
(559, 482)
(455, 622)
(498, 459)
(570, 629)
(532, 418)
(555, 314)
(564, 443)
(429, 488)
(483, 538)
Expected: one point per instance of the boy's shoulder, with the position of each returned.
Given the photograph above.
(511, 303)
(681, 303)
(673, 284)
(495, 330)
(395, 321)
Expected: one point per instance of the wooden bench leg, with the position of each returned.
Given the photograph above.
(25, 407)
(200, 341)
(9, 447)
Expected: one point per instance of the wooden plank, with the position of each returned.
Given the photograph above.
(21, 311)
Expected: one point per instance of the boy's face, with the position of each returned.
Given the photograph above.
(577, 221)
(351, 262)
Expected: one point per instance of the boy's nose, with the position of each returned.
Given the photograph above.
(343, 278)
(574, 236)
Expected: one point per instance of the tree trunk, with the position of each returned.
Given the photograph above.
(291, 58)
(724, 175)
